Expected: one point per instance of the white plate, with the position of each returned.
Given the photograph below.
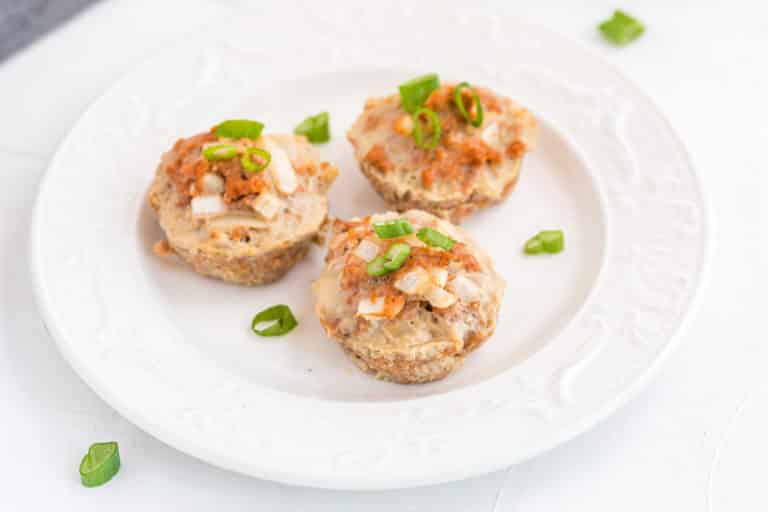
(578, 334)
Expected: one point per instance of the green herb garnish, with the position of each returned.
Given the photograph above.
(283, 318)
(315, 128)
(220, 152)
(250, 165)
(393, 228)
(621, 29)
(435, 238)
(100, 464)
(434, 125)
(550, 241)
(392, 260)
(396, 256)
(239, 129)
(415, 92)
(478, 120)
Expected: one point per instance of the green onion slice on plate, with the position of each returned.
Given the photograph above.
(239, 129)
(100, 464)
(457, 98)
(434, 124)
(621, 29)
(533, 246)
(435, 238)
(393, 228)
(220, 152)
(315, 128)
(282, 318)
(253, 166)
(549, 241)
(415, 92)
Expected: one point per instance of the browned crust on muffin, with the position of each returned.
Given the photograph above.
(409, 367)
(247, 270)
(454, 210)
(404, 371)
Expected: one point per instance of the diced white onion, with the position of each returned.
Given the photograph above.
(413, 282)
(368, 307)
(439, 276)
(267, 205)
(281, 168)
(439, 298)
(213, 183)
(465, 288)
(208, 205)
(367, 250)
(490, 134)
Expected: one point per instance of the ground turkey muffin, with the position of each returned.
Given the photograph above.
(234, 224)
(471, 168)
(414, 324)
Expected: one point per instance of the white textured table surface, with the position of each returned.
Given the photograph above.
(695, 439)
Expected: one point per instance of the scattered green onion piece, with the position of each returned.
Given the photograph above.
(434, 123)
(315, 128)
(100, 464)
(248, 163)
(396, 256)
(415, 92)
(478, 120)
(621, 29)
(435, 238)
(375, 267)
(283, 317)
(239, 129)
(533, 246)
(393, 229)
(220, 152)
(550, 241)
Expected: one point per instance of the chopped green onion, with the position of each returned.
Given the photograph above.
(396, 256)
(281, 315)
(434, 123)
(239, 129)
(415, 92)
(533, 246)
(100, 464)
(393, 228)
(550, 241)
(457, 98)
(315, 128)
(392, 260)
(375, 267)
(435, 238)
(621, 29)
(248, 163)
(220, 152)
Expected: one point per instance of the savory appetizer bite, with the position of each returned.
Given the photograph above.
(407, 296)
(448, 149)
(240, 206)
